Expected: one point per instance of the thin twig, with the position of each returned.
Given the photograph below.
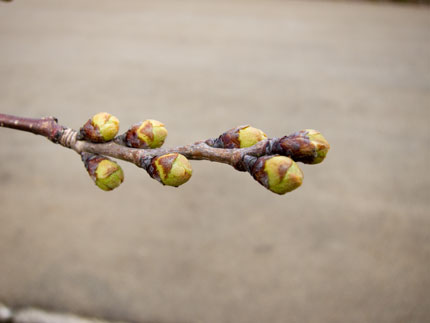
(277, 173)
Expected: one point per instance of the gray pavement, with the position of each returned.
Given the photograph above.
(351, 245)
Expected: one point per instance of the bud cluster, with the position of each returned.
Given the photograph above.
(171, 169)
(272, 163)
(277, 169)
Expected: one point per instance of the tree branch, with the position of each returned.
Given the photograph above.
(49, 128)
(277, 173)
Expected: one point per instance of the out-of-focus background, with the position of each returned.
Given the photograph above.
(351, 245)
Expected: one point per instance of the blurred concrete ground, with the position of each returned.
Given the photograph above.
(351, 245)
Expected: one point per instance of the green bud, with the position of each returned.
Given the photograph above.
(107, 124)
(249, 136)
(240, 137)
(147, 134)
(279, 174)
(102, 127)
(107, 174)
(320, 145)
(171, 169)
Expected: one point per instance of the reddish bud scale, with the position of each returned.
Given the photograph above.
(91, 163)
(257, 171)
(229, 139)
(131, 138)
(297, 147)
(89, 132)
(165, 162)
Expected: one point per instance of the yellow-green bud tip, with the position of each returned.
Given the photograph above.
(249, 136)
(173, 169)
(152, 133)
(283, 174)
(109, 175)
(107, 124)
(320, 143)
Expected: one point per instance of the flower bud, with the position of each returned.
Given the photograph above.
(249, 136)
(101, 127)
(307, 146)
(320, 144)
(279, 174)
(170, 169)
(106, 173)
(147, 134)
(240, 137)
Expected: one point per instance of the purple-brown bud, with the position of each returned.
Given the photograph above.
(307, 146)
(170, 169)
(102, 127)
(279, 174)
(147, 134)
(240, 137)
(105, 173)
